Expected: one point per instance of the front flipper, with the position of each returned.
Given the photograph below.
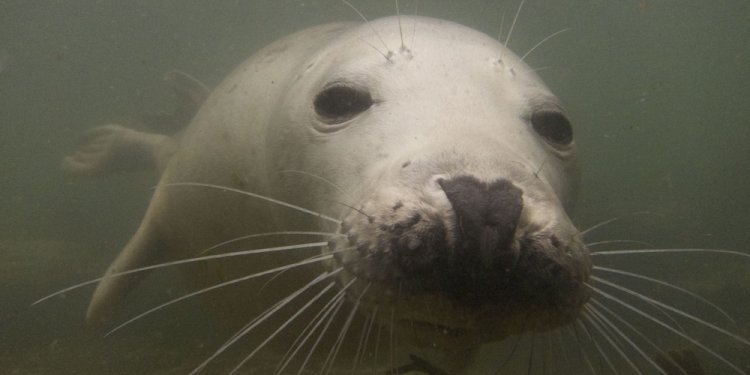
(144, 248)
(115, 148)
(190, 94)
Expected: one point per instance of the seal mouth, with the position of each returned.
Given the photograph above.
(481, 269)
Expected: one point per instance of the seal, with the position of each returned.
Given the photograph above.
(438, 172)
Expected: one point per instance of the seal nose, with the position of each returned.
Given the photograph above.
(487, 215)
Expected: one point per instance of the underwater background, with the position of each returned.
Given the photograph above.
(658, 92)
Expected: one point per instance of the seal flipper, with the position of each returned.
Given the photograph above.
(144, 248)
(190, 94)
(114, 148)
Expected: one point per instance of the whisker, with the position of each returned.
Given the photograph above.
(270, 234)
(612, 220)
(414, 27)
(581, 351)
(281, 327)
(530, 362)
(561, 345)
(400, 29)
(392, 340)
(274, 277)
(366, 339)
(610, 242)
(512, 351)
(315, 259)
(320, 178)
(181, 261)
(342, 334)
(502, 25)
(362, 16)
(599, 225)
(262, 317)
(673, 330)
(376, 352)
(663, 251)
(669, 285)
(598, 347)
(257, 196)
(513, 24)
(308, 331)
(338, 304)
(640, 334)
(625, 337)
(672, 309)
(542, 42)
(360, 346)
(370, 218)
(595, 321)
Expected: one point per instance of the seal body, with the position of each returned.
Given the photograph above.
(438, 162)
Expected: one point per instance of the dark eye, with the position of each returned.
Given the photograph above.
(553, 126)
(337, 104)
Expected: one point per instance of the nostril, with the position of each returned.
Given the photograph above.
(487, 215)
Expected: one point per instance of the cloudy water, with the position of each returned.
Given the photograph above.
(657, 92)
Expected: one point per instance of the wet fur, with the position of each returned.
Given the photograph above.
(332, 327)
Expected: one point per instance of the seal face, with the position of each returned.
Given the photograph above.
(449, 162)
(462, 165)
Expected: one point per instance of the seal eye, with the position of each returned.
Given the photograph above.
(553, 126)
(339, 103)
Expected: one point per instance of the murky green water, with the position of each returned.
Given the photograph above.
(658, 91)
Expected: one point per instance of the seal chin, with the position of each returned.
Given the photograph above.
(471, 268)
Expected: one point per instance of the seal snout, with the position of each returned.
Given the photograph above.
(486, 217)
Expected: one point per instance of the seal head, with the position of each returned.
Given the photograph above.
(460, 165)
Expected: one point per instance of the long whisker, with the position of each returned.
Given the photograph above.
(582, 352)
(414, 27)
(669, 285)
(662, 251)
(270, 234)
(671, 329)
(599, 225)
(512, 351)
(257, 196)
(667, 315)
(281, 327)
(640, 334)
(672, 309)
(323, 179)
(502, 25)
(362, 348)
(561, 346)
(594, 320)
(625, 337)
(530, 362)
(376, 351)
(400, 28)
(274, 277)
(392, 339)
(362, 16)
(323, 331)
(315, 259)
(344, 331)
(542, 42)
(598, 347)
(612, 220)
(513, 24)
(308, 331)
(261, 318)
(181, 261)
(610, 242)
